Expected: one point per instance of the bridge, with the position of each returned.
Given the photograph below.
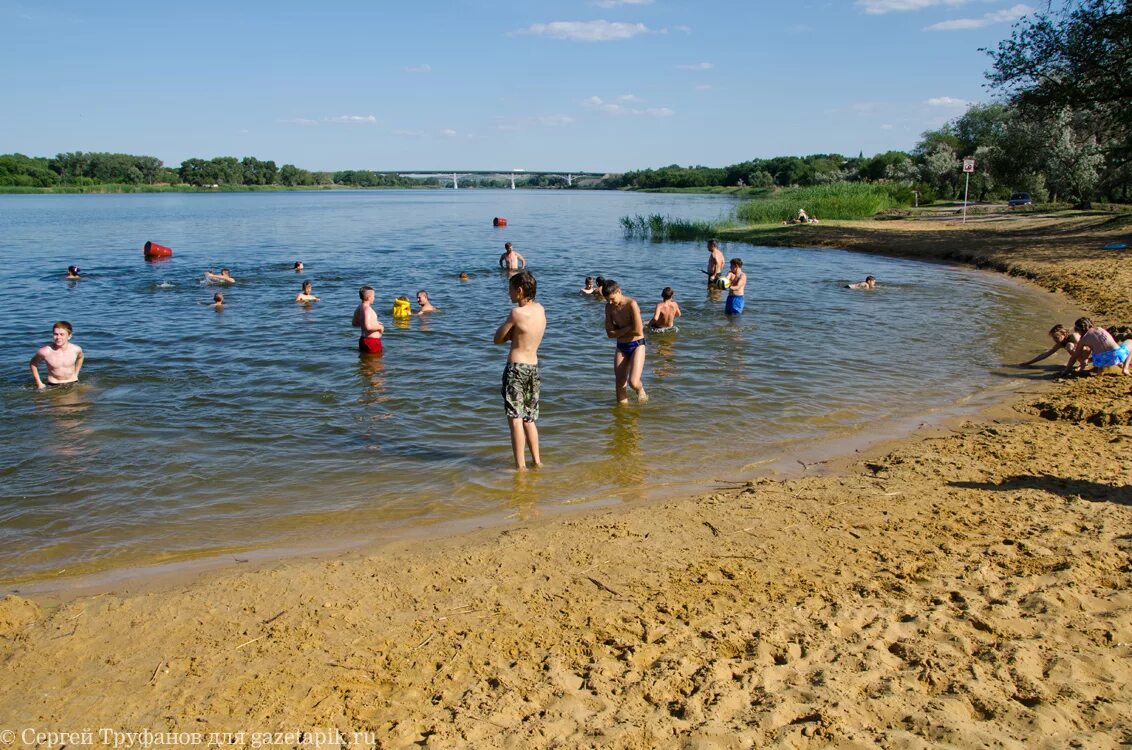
(444, 175)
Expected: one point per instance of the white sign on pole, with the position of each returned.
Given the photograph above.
(968, 165)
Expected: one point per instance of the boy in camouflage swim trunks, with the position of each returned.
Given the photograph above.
(524, 328)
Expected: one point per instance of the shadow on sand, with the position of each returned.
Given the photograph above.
(1094, 492)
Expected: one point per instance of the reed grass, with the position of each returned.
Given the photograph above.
(843, 200)
(660, 228)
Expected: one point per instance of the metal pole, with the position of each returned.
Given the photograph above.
(966, 185)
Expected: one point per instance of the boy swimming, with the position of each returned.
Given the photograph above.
(667, 311)
(524, 328)
(366, 319)
(588, 287)
(217, 301)
(73, 272)
(64, 360)
(870, 282)
(306, 294)
(623, 322)
(224, 277)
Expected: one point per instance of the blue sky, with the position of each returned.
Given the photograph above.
(591, 85)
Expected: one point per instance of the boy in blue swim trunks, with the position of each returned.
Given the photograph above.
(623, 322)
(1101, 347)
(524, 328)
(737, 286)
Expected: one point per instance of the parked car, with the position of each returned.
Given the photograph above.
(1020, 199)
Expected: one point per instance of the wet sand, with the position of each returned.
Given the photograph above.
(968, 586)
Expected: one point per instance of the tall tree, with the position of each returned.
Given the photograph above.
(1078, 58)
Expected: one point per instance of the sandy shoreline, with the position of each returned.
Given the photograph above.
(969, 587)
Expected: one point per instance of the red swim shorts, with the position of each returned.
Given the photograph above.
(367, 345)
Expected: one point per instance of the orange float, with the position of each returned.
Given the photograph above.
(499, 222)
(153, 251)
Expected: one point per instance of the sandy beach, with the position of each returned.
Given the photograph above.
(966, 587)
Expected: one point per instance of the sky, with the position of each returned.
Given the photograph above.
(570, 85)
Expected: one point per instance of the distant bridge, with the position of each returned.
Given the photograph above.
(445, 175)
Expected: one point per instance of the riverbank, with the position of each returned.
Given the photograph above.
(969, 586)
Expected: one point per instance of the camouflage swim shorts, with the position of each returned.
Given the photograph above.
(520, 391)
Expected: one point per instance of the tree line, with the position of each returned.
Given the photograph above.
(79, 169)
(1060, 130)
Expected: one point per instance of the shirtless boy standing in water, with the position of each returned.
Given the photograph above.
(623, 322)
(64, 359)
(667, 311)
(510, 259)
(524, 328)
(366, 319)
(737, 286)
(714, 263)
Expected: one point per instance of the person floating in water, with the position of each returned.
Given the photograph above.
(667, 311)
(366, 319)
(63, 359)
(306, 295)
(510, 259)
(298, 266)
(737, 285)
(224, 277)
(423, 305)
(524, 329)
(715, 263)
(73, 272)
(1101, 346)
(623, 322)
(1062, 339)
(588, 287)
(217, 301)
(870, 282)
(463, 276)
(599, 282)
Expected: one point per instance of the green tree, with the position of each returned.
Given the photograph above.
(1079, 58)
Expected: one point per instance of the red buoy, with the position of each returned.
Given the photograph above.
(153, 251)
(499, 222)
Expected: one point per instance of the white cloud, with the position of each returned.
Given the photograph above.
(615, 3)
(351, 120)
(449, 132)
(299, 121)
(682, 28)
(696, 66)
(880, 7)
(704, 87)
(614, 108)
(408, 133)
(886, 126)
(1008, 15)
(586, 31)
(946, 101)
(426, 68)
(555, 120)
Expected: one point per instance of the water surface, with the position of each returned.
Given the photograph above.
(195, 430)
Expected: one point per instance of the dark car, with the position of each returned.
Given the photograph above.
(1020, 199)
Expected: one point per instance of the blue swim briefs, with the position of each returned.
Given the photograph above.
(1112, 357)
(734, 304)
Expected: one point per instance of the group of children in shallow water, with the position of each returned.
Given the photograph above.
(526, 324)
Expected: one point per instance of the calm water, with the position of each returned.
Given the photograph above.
(195, 430)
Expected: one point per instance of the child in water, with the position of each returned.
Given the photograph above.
(667, 311)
